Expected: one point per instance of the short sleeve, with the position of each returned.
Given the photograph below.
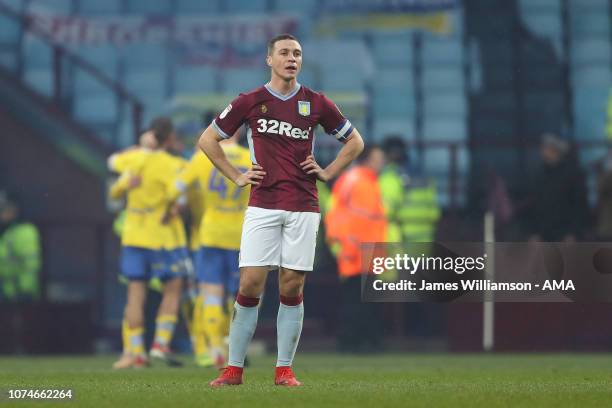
(333, 121)
(232, 117)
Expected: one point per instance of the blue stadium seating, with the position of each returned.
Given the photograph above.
(591, 76)
(451, 128)
(544, 24)
(348, 78)
(389, 106)
(86, 84)
(552, 6)
(37, 54)
(445, 104)
(146, 56)
(236, 80)
(590, 51)
(387, 126)
(8, 60)
(442, 51)
(590, 104)
(391, 50)
(41, 80)
(9, 30)
(197, 6)
(96, 108)
(194, 79)
(443, 78)
(301, 6)
(591, 23)
(103, 57)
(57, 6)
(245, 6)
(394, 79)
(150, 82)
(100, 7)
(601, 6)
(149, 6)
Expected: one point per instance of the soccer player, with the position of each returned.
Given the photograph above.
(282, 219)
(219, 236)
(145, 241)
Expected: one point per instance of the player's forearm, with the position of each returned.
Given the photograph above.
(209, 143)
(118, 189)
(349, 152)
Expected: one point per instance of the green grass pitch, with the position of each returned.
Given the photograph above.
(374, 381)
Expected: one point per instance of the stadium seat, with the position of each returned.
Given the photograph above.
(150, 82)
(96, 108)
(590, 106)
(443, 78)
(392, 50)
(442, 50)
(551, 6)
(387, 104)
(236, 80)
(64, 7)
(348, 79)
(398, 126)
(445, 104)
(296, 6)
(245, 6)
(448, 128)
(197, 6)
(103, 57)
(396, 79)
(85, 83)
(589, 24)
(149, 6)
(437, 160)
(100, 7)
(9, 30)
(194, 79)
(591, 76)
(37, 54)
(8, 60)
(151, 56)
(590, 51)
(601, 6)
(544, 24)
(41, 80)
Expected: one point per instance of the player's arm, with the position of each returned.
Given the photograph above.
(209, 143)
(349, 152)
(123, 184)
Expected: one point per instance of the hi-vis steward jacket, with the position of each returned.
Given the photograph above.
(356, 215)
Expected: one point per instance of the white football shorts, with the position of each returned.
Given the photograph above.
(279, 238)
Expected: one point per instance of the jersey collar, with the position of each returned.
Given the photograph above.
(284, 97)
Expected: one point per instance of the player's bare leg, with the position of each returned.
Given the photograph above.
(166, 321)
(243, 323)
(134, 316)
(214, 321)
(289, 323)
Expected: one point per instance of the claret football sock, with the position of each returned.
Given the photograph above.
(164, 328)
(242, 327)
(288, 328)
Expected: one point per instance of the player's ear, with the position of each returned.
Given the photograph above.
(269, 60)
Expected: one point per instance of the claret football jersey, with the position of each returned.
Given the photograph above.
(280, 133)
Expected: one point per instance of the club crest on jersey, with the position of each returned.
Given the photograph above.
(264, 109)
(304, 108)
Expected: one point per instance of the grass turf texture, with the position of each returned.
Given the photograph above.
(430, 380)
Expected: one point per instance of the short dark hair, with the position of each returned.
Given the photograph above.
(279, 37)
(367, 152)
(162, 128)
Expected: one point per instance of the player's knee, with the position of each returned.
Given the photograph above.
(250, 287)
(291, 287)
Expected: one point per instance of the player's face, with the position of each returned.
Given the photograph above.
(286, 59)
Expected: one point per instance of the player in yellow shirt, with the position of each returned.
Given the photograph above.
(216, 261)
(150, 241)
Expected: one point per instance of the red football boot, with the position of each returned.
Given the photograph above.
(284, 376)
(231, 375)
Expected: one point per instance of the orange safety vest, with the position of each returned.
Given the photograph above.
(356, 216)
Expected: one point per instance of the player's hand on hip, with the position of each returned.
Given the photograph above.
(253, 176)
(310, 166)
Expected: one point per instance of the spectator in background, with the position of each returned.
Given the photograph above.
(410, 198)
(20, 257)
(604, 199)
(557, 207)
(356, 215)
